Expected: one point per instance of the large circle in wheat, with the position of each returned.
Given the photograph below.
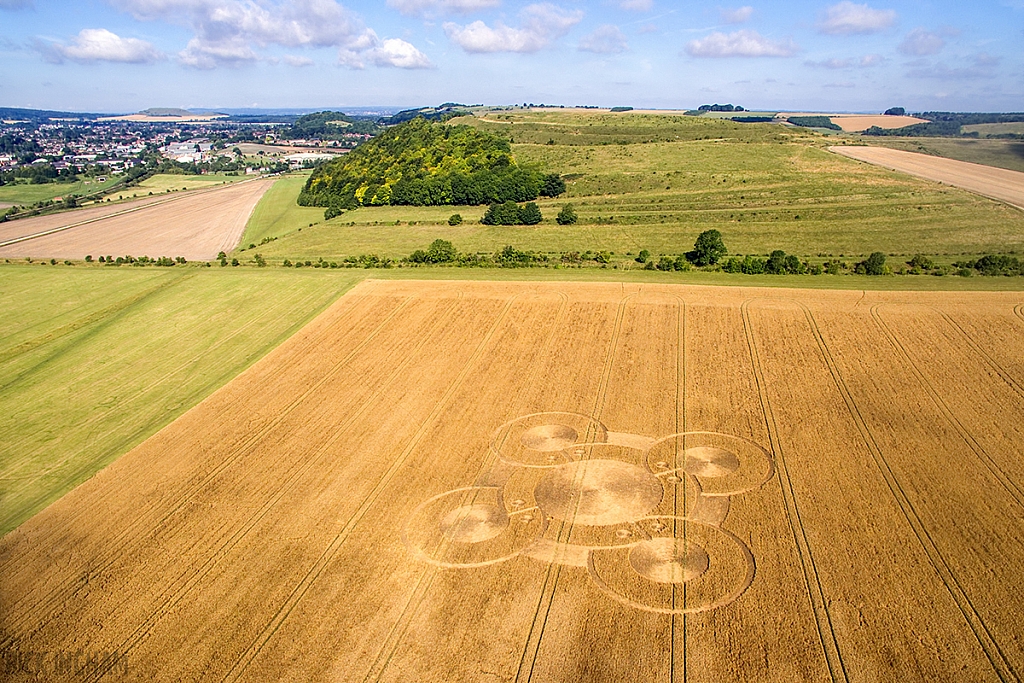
(668, 560)
(474, 523)
(598, 492)
(550, 437)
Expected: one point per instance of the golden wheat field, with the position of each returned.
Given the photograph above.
(563, 482)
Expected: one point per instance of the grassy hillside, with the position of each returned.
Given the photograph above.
(94, 360)
(764, 187)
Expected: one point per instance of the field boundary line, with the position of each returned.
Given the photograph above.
(1005, 481)
(160, 202)
(554, 570)
(988, 644)
(314, 572)
(815, 593)
(73, 585)
(214, 557)
(423, 585)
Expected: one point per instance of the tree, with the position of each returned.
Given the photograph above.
(708, 248)
(455, 219)
(643, 256)
(895, 111)
(530, 214)
(441, 251)
(552, 185)
(873, 265)
(502, 214)
(567, 216)
(776, 263)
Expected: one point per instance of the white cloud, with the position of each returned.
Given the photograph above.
(542, 24)
(437, 6)
(744, 43)
(981, 65)
(607, 39)
(635, 5)
(101, 45)
(738, 15)
(864, 62)
(227, 32)
(847, 18)
(297, 61)
(398, 53)
(833, 63)
(920, 43)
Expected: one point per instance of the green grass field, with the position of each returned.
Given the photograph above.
(986, 129)
(277, 213)
(763, 187)
(94, 360)
(173, 182)
(24, 194)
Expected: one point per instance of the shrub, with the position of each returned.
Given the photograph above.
(922, 262)
(88, 258)
(455, 219)
(643, 256)
(567, 216)
(332, 211)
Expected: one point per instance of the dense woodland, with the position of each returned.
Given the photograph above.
(427, 163)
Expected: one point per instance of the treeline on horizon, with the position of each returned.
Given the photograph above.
(427, 163)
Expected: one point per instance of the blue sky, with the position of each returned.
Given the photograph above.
(126, 55)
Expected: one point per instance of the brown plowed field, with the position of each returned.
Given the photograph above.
(512, 481)
(989, 181)
(195, 225)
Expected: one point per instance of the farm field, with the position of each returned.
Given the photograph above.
(655, 182)
(277, 214)
(23, 193)
(93, 361)
(1008, 154)
(162, 182)
(196, 226)
(998, 183)
(564, 481)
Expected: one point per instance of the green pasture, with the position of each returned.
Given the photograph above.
(21, 194)
(277, 213)
(986, 129)
(94, 359)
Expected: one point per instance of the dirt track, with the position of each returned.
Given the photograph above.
(997, 183)
(195, 225)
(399, 493)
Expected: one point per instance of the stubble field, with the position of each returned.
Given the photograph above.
(197, 226)
(495, 481)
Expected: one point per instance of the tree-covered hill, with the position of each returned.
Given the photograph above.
(425, 163)
(328, 125)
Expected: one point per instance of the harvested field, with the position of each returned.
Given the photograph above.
(483, 481)
(195, 225)
(998, 183)
(855, 123)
